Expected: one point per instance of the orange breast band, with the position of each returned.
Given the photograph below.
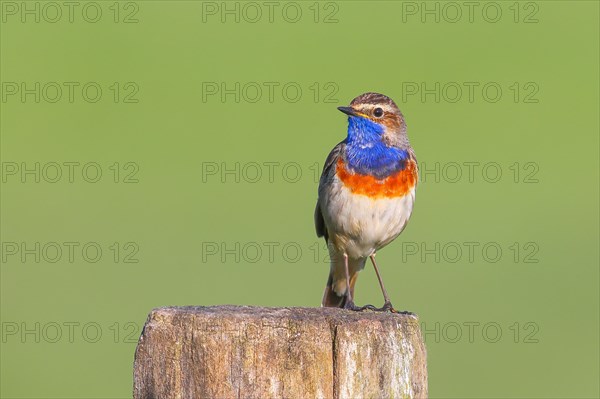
(395, 185)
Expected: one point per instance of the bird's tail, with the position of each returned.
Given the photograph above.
(335, 290)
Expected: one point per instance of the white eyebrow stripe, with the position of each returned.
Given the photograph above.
(369, 107)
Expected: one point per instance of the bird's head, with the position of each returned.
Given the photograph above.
(375, 117)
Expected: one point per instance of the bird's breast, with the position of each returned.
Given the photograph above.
(397, 184)
(363, 213)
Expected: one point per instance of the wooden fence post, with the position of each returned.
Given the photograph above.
(253, 352)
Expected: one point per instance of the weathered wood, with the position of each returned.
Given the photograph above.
(252, 352)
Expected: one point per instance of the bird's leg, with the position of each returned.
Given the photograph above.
(349, 302)
(387, 306)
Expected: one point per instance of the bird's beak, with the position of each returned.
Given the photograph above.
(349, 111)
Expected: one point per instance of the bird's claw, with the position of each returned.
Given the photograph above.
(349, 305)
(387, 307)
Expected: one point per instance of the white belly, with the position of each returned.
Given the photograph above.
(359, 225)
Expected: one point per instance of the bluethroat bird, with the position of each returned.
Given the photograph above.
(366, 194)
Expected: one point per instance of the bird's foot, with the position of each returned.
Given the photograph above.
(387, 307)
(349, 305)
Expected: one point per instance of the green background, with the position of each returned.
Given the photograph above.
(173, 135)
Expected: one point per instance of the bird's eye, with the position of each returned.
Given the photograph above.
(378, 112)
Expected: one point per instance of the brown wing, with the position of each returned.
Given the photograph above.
(325, 175)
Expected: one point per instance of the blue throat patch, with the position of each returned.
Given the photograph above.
(367, 154)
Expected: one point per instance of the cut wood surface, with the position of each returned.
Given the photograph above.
(254, 352)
